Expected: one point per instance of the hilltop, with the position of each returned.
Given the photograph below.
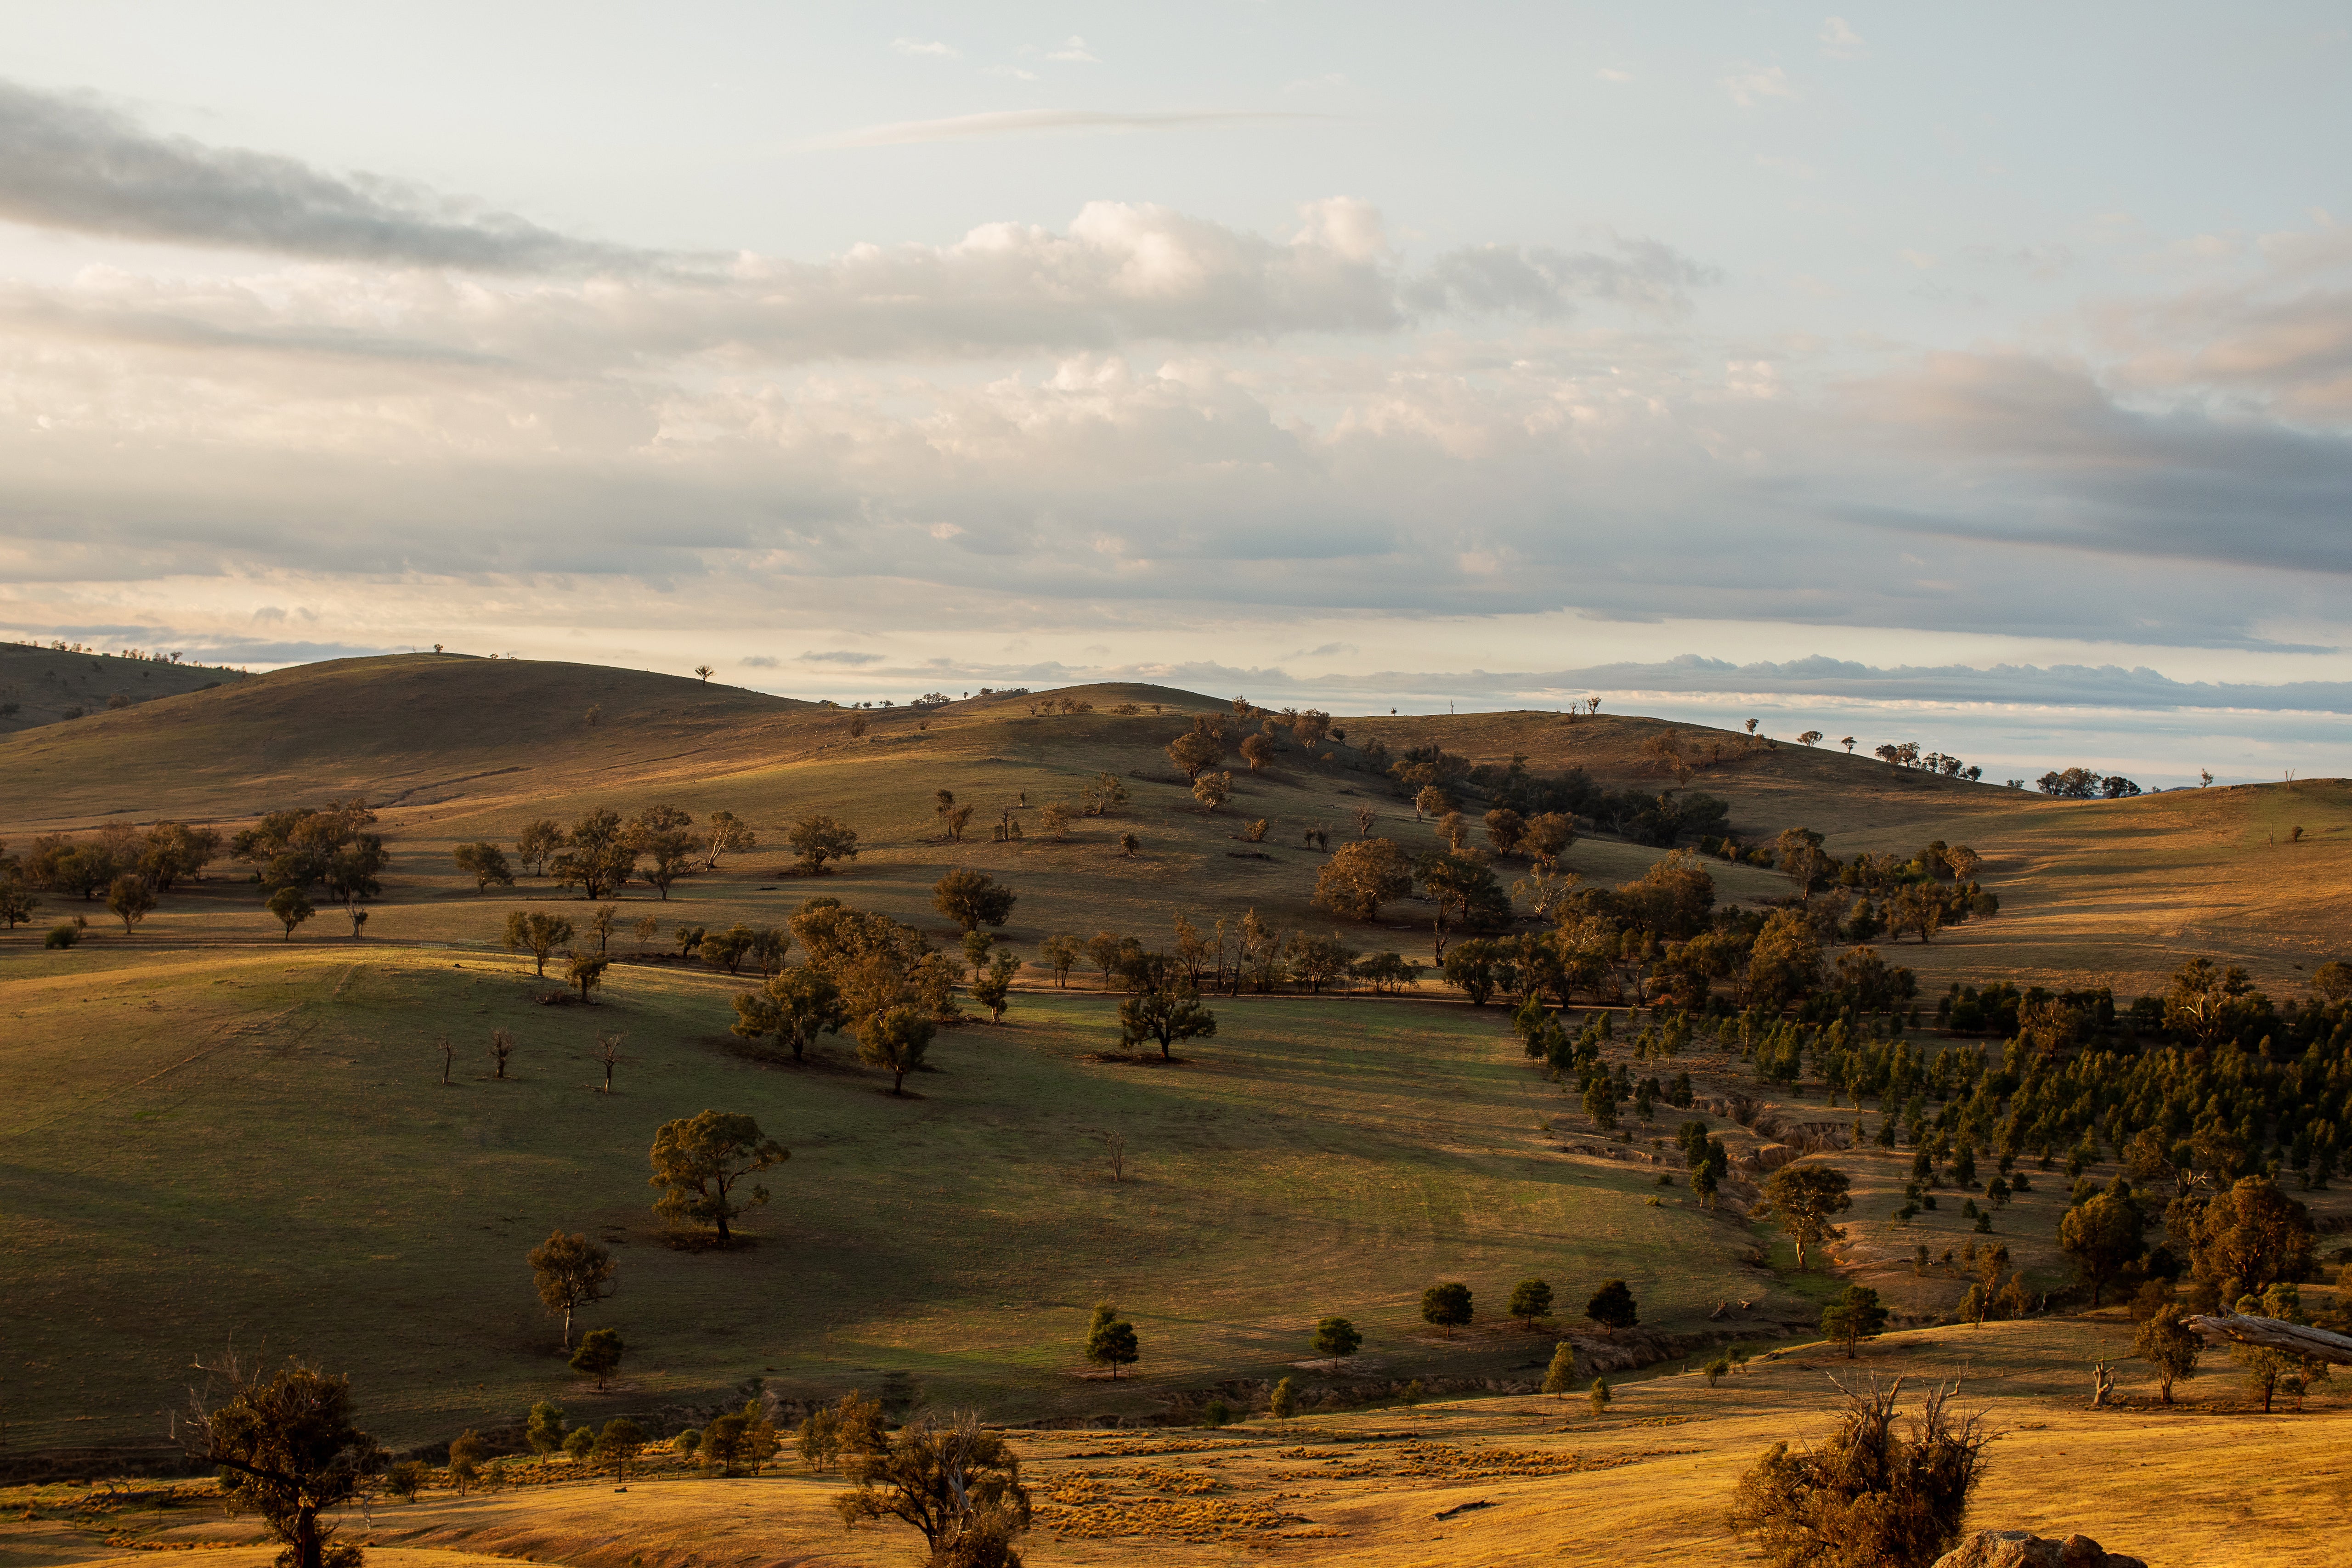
(41, 686)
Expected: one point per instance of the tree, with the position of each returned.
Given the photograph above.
(1505, 830)
(1802, 1198)
(608, 1054)
(853, 1425)
(1283, 1402)
(1462, 885)
(598, 854)
(972, 899)
(586, 971)
(290, 908)
(724, 833)
(129, 897)
(660, 832)
(697, 1162)
(570, 1272)
(1102, 795)
(286, 1448)
(1336, 1338)
(2167, 1343)
(1362, 876)
(1560, 1375)
(956, 818)
(895, 1039)
(795, 1006)
(544, 1428)
(1612, 1306)
(529, 930)
(502, 1046)
(2102, 1235)
(1167, 1013)
(539, 843)
(1600, 1397)
(599, 1355)
(1199, 748)
(1784, 967)
(1854, 1317)
(2253, 1234)
(1061, 952)
(618, 1444)
(1446, 1305)
(1110, 1339)
(818, 839)
(1318, 959)
(1547, 837)
(1257, 751)
(728, 948)
(601, 924)
(955, 1481)
(992, 987)
(486, 863)
(704, 671)
(1531, 1300)
(1868, 1496)
(1129, 843)
(1810, 738)
(1212, 790)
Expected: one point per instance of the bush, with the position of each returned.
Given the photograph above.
(1868, 1496)
(579, 1442)
(62, 936)
(1217, 1413)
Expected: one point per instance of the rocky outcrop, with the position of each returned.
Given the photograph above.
(2023, 1549)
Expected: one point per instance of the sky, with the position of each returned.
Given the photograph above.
(1981, 376)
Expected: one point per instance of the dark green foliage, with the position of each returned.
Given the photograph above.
(1446, 1305)
(1531, 1300)
(972, 899)
(698, 1161)
(1612, 1306)
(1854, 1317)
(599, 1355)
(1110, 1339)
(1336, 1338)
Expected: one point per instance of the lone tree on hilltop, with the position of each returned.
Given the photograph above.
(1446, 1306)
(796, 1006)
(972, 899)
(570, 1272)
(1853, 1318)
(1612, 1306)
(818, 839)
(291, 909)
(1336, 1338)
(599, 1354)
(286, 1448)
(1802, 1198)
(1531, 1300)
(1362, 876)
(529, 930)
(486, 863)
(697, 1162)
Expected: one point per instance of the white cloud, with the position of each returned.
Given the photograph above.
(1752, 84)
(1840, 42)
(1610, 73)
(1015, 72)
(932, 48)
(1075, 51)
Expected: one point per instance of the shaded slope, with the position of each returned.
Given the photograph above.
(50, 685)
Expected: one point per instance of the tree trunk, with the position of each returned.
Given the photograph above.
(2319, 1345)
(898, 1085)
(306, 1537)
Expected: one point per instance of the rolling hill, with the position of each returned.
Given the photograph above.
(42, 686)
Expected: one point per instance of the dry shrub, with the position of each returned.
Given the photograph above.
(1869, 1496)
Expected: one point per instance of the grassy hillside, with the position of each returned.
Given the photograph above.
(47, 686)
(2116, 892)
(258, 1144)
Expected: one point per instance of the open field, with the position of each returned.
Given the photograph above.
(258, 1144)
(454, 748)
(1647, 1483)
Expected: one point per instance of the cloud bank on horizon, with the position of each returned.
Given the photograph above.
(1296, 387)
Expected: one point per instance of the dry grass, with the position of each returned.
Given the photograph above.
(1647, 1484)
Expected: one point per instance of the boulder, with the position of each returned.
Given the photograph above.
(2023, 1549)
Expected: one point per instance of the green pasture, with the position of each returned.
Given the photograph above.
(255, 1145)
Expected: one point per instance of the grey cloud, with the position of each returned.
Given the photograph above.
(841, 657)
(1537, 281)
(1029, 121)
(758, 661)
(69, 163)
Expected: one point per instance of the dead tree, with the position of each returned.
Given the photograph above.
(2277, 1334)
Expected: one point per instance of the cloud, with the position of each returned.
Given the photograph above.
(1752, 84)
(931, 48)
(1544, 283)
(1839, 41)
(1048, 122)
(759, 662)
(71, 164)
(1610, 73)
(840, 657)
(1075, 51)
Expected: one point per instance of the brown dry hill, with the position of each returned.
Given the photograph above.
(48, 686)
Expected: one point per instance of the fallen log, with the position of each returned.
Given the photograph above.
(2278, 1334)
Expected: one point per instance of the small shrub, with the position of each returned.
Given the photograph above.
(1217, 1413)
(579, 1443)
(1282, 1402)
(62, 936)
(1869, 1496)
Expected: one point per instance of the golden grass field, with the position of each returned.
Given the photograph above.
(2201, 1484)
